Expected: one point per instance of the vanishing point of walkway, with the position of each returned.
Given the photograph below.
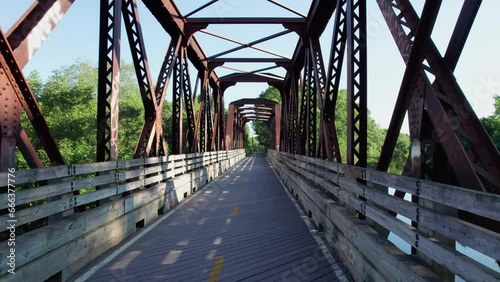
(243, 226)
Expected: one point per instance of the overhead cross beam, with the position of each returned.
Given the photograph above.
(170, 18)
(224, 20)
(251, 77)
(242, 44)
(279, 61)
(251, 44)
(286, 8)
(31, 30)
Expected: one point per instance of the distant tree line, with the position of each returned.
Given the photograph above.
(376, 134)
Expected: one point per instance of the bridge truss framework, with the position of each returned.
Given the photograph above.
(448, 142)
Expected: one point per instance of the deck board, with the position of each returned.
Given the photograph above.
(245, 219)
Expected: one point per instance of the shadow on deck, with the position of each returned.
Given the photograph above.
(243, 226)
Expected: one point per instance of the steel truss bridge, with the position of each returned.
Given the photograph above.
(242, 224)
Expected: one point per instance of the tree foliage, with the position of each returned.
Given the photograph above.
(68, 100)
(492, 123)
(376, 135)
(261, 128)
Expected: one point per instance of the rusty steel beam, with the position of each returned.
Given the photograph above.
(259, 72)
(188, 101)
(302, 124)
(109, 80)
(294, 134)
(312, 108)
(256, 113)
(241, 43)
(249, 60)
(170, 18)
(161, 91)
(277, 127)
(446, 102)
(285, 123)
(201, 8)
(319, 81)
(230, 127)
(201, 123)
(254, 101)
(145, 83)
(409, 83)
(32, 29)
(222, 120)
(28, 150)
(338, 45)
(210, 129)
(251, 77)
(286, 8)
(317, 19)
(250, 44)
(214, 145)
(223, 20)
(28, 101)
(177, 108)
(261, 109)
(307, 124)
(200, 129)
(461, 32)
(183, 95)
(10, 118)
(357, 109)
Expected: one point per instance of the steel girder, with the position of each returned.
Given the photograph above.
(210, 120)
(109, 80)
(230, 127)
(29, 32)
(10, 118)
(235, 129)
(204, 119)
(174, 24)
(18, 46)
(183, 95)
(468, 149)
(329, 131)
(357, 110)
(215, 141)
(15, 83)
(141, 64)
(293, 113)
(177, 108)
(308, 112)
(161, 91)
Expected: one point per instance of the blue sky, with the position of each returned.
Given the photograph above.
(477, 72)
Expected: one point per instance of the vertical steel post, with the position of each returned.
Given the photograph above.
(357, 111)
(109, 80)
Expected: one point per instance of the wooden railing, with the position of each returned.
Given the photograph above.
(331, 192)
(66, 216)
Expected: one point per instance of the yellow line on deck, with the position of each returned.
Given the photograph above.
(236, 211)
(214, 274)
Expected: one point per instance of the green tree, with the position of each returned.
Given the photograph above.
(68, 100)
(492, 123)
(376, 135)
(261, 128)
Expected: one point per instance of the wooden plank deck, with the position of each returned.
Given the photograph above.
(242, 227)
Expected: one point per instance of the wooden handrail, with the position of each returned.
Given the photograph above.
(342, 181)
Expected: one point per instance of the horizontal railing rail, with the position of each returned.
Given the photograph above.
(365, 190)
(70, 193)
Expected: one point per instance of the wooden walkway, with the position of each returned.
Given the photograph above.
(243, 226)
